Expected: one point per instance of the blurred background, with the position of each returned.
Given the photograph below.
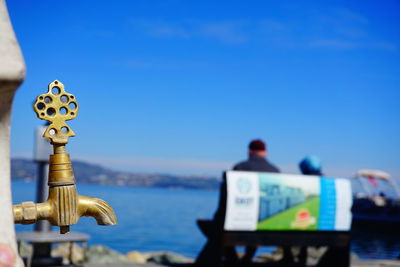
(181, 87)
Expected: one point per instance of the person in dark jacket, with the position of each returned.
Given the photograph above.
(257, 162)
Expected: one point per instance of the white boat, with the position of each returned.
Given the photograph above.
(376, 201)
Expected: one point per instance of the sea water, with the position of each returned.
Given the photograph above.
(160, 219)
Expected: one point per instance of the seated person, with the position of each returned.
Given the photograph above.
(310, 165)
(257, 162)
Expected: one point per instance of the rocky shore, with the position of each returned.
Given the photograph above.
(98, 255)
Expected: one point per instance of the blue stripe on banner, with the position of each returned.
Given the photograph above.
(327, 205)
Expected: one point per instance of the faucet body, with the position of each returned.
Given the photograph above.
(64, 205)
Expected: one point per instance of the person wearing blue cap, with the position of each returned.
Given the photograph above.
(310, 165)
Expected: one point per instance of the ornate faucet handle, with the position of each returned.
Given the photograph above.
(56, 106)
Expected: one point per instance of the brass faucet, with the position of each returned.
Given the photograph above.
(64, 205)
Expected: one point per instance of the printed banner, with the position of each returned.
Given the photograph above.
(273, 201)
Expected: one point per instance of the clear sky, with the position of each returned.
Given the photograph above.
(183, 86)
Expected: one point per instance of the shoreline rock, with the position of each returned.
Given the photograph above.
(166, 257)
(74, 256)
(103, 254)
(136, 257)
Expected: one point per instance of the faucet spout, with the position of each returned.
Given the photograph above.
(98, 209)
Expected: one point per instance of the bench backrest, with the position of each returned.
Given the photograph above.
(282, 202)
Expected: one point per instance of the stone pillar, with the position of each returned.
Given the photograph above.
(12, 73)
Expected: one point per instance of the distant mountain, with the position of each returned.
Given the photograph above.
(86, 173)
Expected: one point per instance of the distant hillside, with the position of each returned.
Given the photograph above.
(85, 173)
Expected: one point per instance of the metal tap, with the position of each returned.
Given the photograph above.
(64, 205)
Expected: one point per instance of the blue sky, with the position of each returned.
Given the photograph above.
(183, 86)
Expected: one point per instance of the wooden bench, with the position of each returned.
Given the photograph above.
(219, 238)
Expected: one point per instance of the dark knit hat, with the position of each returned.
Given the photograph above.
(257, 145)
